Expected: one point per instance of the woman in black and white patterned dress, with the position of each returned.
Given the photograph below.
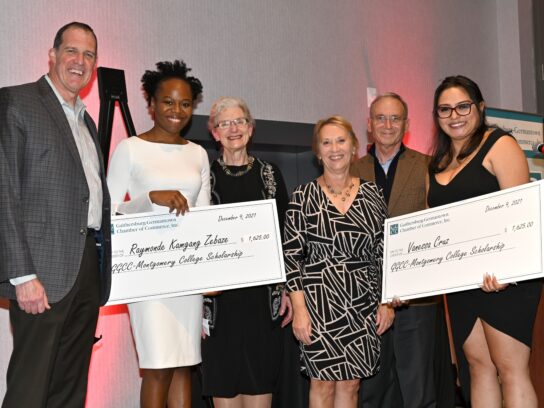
(333, 254)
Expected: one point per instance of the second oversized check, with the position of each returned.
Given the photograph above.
(449, 248)
(208, 249)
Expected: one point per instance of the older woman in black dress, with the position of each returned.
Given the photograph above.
(492, 327)
(333, 253)
(241, 358)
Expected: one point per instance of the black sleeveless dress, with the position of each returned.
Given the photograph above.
(244, 353)
(511, 311)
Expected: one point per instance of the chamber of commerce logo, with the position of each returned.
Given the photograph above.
(394, 229)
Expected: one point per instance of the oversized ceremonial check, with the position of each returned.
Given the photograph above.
(207, 249)
(449, 248)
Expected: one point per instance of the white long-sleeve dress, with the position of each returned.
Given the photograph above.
(166, 331)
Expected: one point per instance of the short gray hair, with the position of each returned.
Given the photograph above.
(392, 95)
(226, 102)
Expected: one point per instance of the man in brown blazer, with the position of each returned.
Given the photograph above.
(55, 252)
(408, 348)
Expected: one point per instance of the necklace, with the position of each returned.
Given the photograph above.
(239, 173)
(343, 193)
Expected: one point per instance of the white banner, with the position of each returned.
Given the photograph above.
(528, 129)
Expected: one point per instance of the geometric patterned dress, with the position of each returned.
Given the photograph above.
(336, 259)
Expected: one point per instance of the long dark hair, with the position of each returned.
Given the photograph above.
(443, 150)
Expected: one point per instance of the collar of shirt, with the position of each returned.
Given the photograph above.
(387, 164)
(87, 152)
(78, 110)
(385, 173)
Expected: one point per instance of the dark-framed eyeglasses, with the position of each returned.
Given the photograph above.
(462, 109)
(238, 122)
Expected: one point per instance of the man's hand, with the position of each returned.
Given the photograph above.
(384, 318)
(31, 297)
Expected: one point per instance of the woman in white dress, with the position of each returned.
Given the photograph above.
(161, 171)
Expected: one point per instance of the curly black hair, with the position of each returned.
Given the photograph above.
(166, 70)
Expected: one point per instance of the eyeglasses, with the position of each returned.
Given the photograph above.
(239, 122)
(462, 109)
(393, 119)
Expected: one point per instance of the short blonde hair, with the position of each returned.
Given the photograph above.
(336, 120)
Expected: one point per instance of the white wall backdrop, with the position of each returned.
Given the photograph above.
(291, 60)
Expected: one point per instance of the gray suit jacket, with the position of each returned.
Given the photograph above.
(408, 191)
(44, 194)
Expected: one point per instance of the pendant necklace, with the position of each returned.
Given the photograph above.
(343, 193)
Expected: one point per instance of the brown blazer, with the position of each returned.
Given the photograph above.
(408, 192)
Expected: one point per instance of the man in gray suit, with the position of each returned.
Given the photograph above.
(55, 252)
(408, 349)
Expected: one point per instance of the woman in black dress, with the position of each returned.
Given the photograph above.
(241, 358)
(492, 327)
(333, 258)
